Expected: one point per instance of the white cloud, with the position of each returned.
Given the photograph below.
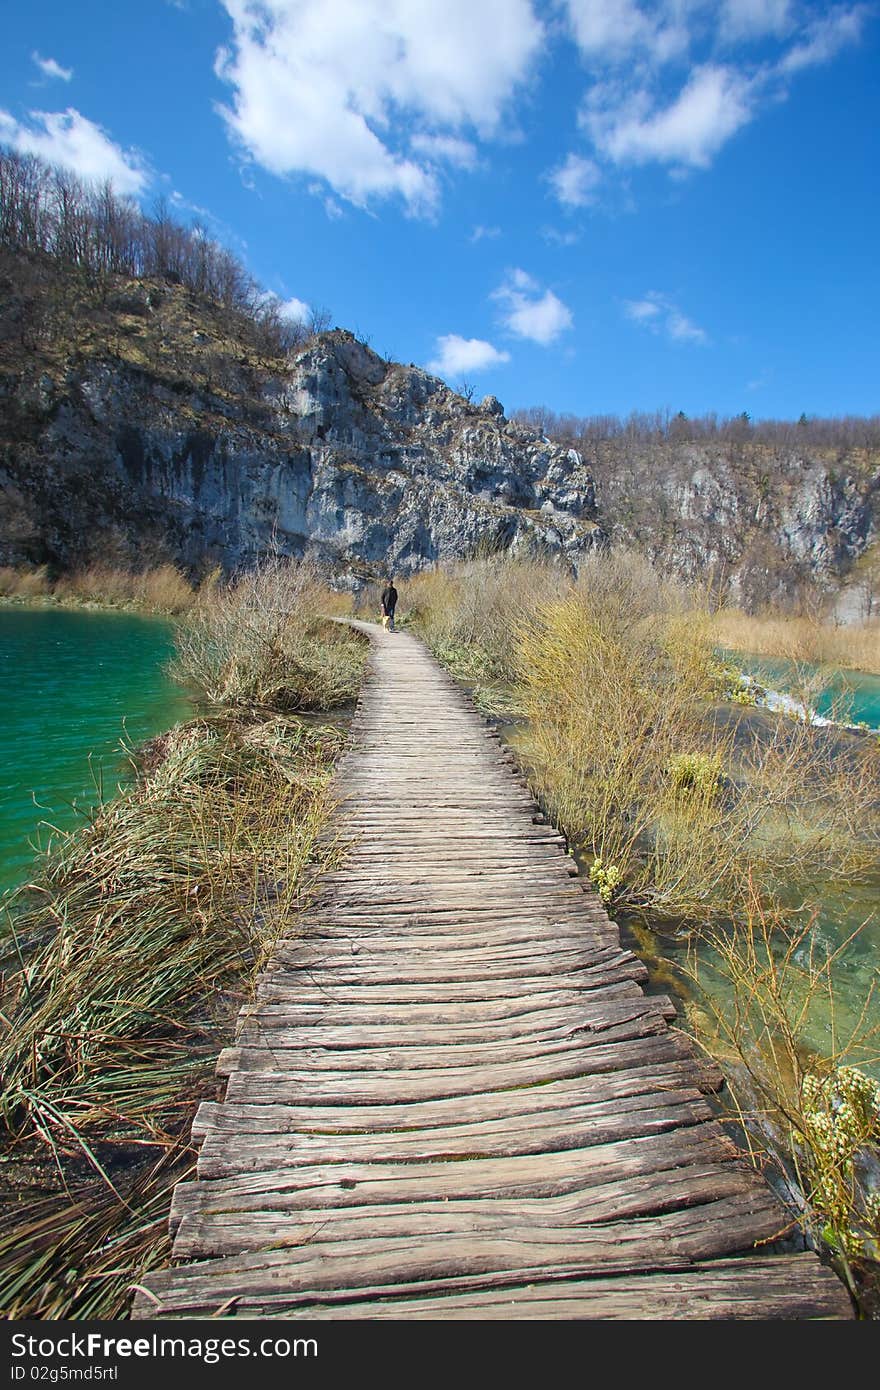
(825, 38)
(752, 19)
(554, 237)
(76, 143)
(601, 27)
(672, 81)
(481, 233)
(527, 313)
(713, 105)
(659, 314)
(462, 154)
(575, 181)
(616, 29)
(456, 355)
(295, 310)
(331, 88)
(50, 68)
(641, 309)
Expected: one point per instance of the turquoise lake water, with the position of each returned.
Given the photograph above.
(850, 695)
(75, 687)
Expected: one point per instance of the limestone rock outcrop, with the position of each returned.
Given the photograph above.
(369, 463)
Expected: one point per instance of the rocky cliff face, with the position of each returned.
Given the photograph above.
(130, 449)
(764, 523)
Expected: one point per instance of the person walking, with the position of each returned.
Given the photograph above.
(389, 603)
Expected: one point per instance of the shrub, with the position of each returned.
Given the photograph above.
(261, 641)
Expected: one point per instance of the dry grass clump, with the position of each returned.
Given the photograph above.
(24, 583)
(262, 640)
(139, 921)
(616, 676)
(123, 964)
(162, 589)
(800, 639)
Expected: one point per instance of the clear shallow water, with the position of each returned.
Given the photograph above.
(74, 688)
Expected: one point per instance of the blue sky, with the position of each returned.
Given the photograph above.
(594, 205)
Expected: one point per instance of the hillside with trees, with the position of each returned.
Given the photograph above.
(765, 512)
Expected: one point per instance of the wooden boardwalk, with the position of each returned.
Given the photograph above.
(451, 1098)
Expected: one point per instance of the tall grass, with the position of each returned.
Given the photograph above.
(469, 617)
(160, 589)
(126, 959)
(24, 584)
(676, 802)
(262, 640)
(800, 639)
(673, 800)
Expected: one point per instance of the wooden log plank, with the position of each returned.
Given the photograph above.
(367, 1005)
(545, 1174)
(232, 1231)
(300, 1088)
(286, 1278)
(791, 1287)
(253, 1117)
(224, 1154)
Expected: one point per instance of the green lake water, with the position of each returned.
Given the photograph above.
(853, 696)
(75, 688)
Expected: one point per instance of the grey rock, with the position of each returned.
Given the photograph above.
(368, 463)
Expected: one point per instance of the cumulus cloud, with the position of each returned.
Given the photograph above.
(528, 313)
(659, 314)
(455, 355)
(672, 81)
(752, 19)
(608, 28)
(295, 310)
(76, 143)
(448, 149)
(713, 105)
(50, 68)
(575, 181)
(332, 88)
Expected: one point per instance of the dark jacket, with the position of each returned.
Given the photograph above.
(389, 599)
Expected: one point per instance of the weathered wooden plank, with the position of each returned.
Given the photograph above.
(285, 1278)
(495, 1067)
(598, 1012)
(793, 1287)
(232, 1231)
(300, 1088)
(544, 1174)
(223, 1154)
(312, 1029)
(367, 1005)
(250, 1116)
